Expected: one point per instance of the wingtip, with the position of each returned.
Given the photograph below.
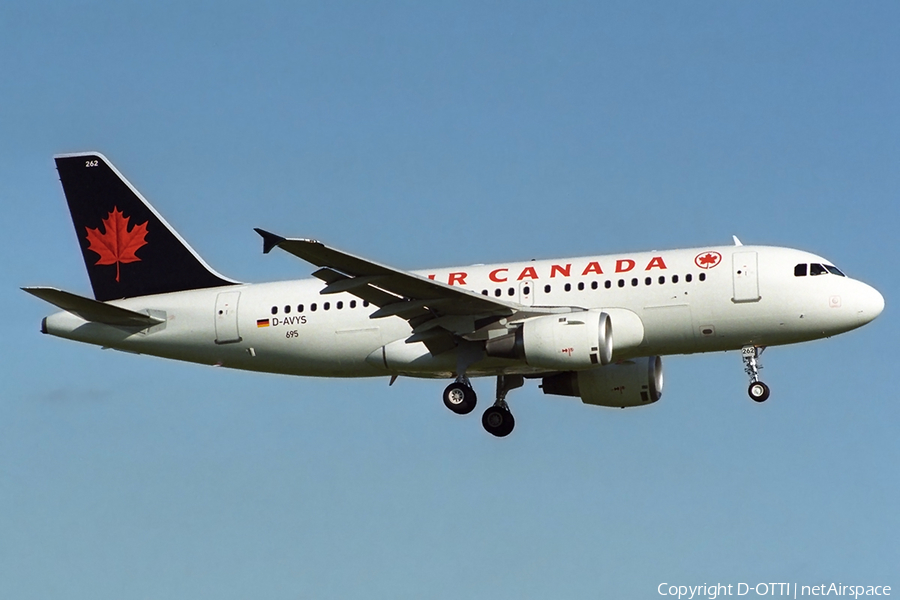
(270, 240)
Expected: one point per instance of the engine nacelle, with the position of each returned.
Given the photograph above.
(571, 341)
(630, 383)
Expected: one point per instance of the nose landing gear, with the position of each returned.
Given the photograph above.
(758, 391)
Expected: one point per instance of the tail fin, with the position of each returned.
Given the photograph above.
(129, 249)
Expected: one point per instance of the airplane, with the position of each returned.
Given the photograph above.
(590, 327)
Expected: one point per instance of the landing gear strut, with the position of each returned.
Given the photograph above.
(460, 397)
(758, 390)
(498, 420)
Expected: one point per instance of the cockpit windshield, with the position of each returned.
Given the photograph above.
(816, 269)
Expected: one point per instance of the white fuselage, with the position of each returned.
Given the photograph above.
(675, 301)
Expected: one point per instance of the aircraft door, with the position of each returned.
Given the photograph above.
(227, 318)
(745, 277)
(526, 293)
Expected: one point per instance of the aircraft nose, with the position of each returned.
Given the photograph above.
(871, 303)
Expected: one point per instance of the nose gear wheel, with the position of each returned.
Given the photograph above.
(758, 391)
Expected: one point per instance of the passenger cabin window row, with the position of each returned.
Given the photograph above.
(498, 292)
(816, 269)
(510, 292)
(339, 305)
(635, 282)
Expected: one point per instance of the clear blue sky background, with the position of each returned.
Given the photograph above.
(425, 135)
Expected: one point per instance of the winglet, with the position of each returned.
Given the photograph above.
(737, 242)
(270, 240)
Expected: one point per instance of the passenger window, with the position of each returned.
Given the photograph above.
(800, 270)
(546, 289)
(621, 283)
(512, 291)
(648, 281)
(662, 279)
(688, 277)
(608, 284)
(340, 305)
(817, 269)
(594, 285)
(674, 278)
(568, 287)
(353, 304)
(497, 292)
(580, 286)
(484, 292)
(634, 282)
(365, 303)
(299, 308)
(274, 310)
(526, 290)
(313, 307)
(702, 276)
(326, 306)
(287, 309)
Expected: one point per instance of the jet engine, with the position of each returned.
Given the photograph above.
(572, 341)
(629, 383)
(560, 342)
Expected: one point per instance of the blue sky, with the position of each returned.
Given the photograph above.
(426, 135)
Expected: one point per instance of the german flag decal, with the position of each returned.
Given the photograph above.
(262, 322)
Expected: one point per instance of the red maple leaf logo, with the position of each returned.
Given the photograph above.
(117, 244)
(707, 260)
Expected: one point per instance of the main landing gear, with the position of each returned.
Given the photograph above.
(460, 397)
(497, 419)
(758, 390)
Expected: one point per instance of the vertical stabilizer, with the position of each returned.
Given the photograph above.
(128, 248)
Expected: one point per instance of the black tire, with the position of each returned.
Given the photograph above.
(498, 421)
(460, 398)
(758, 391)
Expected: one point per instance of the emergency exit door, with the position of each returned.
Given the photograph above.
(526, 293)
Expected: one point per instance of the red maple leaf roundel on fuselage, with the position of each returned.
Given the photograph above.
(117, 244)
(707, 260)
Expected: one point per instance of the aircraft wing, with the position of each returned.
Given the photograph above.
(428, 305)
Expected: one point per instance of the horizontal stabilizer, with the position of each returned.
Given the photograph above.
(92, 310)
